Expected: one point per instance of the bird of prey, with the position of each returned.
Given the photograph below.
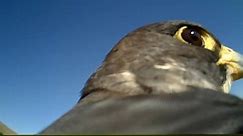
(162, 78)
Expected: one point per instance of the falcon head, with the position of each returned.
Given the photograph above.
(166, 57)
(228, 58)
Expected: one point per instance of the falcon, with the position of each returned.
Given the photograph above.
(164, 78)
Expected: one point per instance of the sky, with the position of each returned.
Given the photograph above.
(49, 48)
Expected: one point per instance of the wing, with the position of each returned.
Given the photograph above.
(195, 111)
(4, 130)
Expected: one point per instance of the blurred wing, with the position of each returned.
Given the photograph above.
(200, 111)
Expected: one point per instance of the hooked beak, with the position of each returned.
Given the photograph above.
(233, 61)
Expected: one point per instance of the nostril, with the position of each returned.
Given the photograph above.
(229, 50)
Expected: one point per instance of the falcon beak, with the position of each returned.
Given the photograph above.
(233, 62)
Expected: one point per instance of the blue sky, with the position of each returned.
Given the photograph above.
(49, 48)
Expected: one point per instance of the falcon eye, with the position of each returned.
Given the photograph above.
(197, 36)
(192, 36)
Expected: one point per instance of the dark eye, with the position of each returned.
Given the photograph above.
(192, 36)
